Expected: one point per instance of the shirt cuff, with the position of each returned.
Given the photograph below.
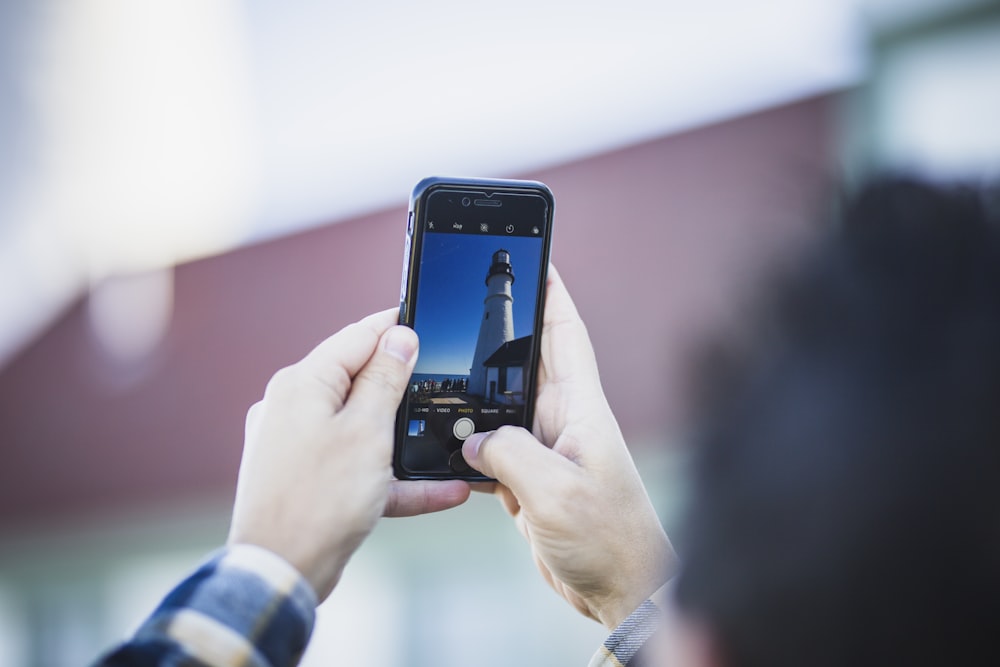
(244, 606)
(624, 643)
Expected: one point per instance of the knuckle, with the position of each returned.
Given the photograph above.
(282, 382)
(509, 431)
(504, 439)
(385, 378)
(253, 414)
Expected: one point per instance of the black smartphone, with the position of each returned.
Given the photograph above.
(474, 270)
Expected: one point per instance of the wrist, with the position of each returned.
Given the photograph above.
(614, 612)
(646, 582)
(272, 567)
(320, 569)
(278, 558)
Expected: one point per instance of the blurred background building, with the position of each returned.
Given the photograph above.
(193, 193)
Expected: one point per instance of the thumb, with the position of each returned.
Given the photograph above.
(379, 385)
(516, 459)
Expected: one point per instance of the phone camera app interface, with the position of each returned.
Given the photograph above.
(475, 312)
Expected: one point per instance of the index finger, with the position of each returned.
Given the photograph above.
(566, 349)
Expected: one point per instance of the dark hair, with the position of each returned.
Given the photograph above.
(845, 505)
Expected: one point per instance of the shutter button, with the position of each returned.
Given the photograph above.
(463, 428)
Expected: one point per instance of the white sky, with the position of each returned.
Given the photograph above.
(138, 135)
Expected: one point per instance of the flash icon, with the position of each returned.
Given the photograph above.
(483, 227)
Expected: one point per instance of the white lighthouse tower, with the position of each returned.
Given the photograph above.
(497, 326)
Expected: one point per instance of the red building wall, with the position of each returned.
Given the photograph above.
(655, 241)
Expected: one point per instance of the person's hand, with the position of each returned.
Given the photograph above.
(317, 461)
(576, 495)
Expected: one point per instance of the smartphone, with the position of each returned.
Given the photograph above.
(474, 270)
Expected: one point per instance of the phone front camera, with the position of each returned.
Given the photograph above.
(466, 201)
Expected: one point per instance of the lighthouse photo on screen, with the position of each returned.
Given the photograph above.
(477, 298)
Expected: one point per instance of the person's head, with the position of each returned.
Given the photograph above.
(846, 487)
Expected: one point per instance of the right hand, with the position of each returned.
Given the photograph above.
(574, 491)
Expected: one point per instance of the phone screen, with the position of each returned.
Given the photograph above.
(478, 267)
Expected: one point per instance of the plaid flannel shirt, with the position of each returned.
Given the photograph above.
(246, 607)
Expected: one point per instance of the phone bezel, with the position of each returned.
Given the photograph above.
(416, 218)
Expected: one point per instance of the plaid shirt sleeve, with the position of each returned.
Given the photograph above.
(245, 607)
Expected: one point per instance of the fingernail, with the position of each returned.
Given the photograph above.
(401, 343)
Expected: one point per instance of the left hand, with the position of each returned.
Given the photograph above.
(317, 460)
(571, 485)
